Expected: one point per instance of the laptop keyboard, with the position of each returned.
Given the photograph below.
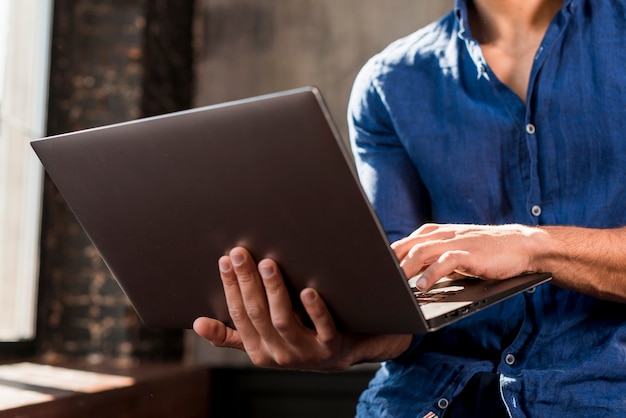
(435, 295)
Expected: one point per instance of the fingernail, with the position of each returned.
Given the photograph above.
(308, 296)
(223, 265)
(422, 283)
(237, 259)
(266, 271)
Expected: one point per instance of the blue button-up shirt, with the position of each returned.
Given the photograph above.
(437, 137)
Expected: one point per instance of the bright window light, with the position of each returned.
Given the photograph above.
(24, 66)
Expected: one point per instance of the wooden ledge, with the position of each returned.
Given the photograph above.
(33, 390)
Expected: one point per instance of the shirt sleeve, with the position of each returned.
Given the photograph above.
(388, 175)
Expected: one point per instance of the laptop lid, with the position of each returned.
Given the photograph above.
(163, 198)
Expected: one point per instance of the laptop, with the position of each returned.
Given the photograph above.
(163, 198)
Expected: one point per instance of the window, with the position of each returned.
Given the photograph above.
(24, 57)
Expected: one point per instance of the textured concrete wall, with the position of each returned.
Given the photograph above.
(250, 47)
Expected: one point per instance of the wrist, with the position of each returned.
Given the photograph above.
(408, 354)
(374, 349)
(541, 247)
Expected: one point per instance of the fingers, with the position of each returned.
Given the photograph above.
(249, 298)
(260, 303)
(434, 251)
(237, 309)
(320, 316)
(447, 263)
(217, 333)
(416, 255)
(278, 318)
(434, 260)
(427, 234)
(282, 319)
(494, 252)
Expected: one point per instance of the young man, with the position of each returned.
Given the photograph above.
(499, 129)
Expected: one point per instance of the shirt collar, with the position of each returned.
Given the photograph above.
(460, 11)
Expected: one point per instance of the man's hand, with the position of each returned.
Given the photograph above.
(272, 334)
(586, 260)
(490, 252)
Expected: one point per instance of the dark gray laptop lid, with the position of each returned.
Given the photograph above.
(163, 198)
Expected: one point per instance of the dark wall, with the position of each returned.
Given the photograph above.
(112, 61)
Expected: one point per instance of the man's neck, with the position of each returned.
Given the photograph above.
(510, 32)
(506, 21)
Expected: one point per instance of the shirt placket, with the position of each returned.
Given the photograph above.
(533, 200)
(532, 132)
(513, 358)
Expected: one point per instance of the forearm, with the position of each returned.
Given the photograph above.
(589, 261)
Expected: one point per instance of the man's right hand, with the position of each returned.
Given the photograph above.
(272, 334)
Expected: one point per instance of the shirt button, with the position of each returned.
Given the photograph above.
(509, 359)
(536, 210)
(530, 129)
(443, 403)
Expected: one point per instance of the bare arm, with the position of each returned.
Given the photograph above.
(590, 261)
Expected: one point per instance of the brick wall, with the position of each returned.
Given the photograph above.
(112, 61)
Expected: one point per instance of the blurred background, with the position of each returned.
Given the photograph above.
(67, 65)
